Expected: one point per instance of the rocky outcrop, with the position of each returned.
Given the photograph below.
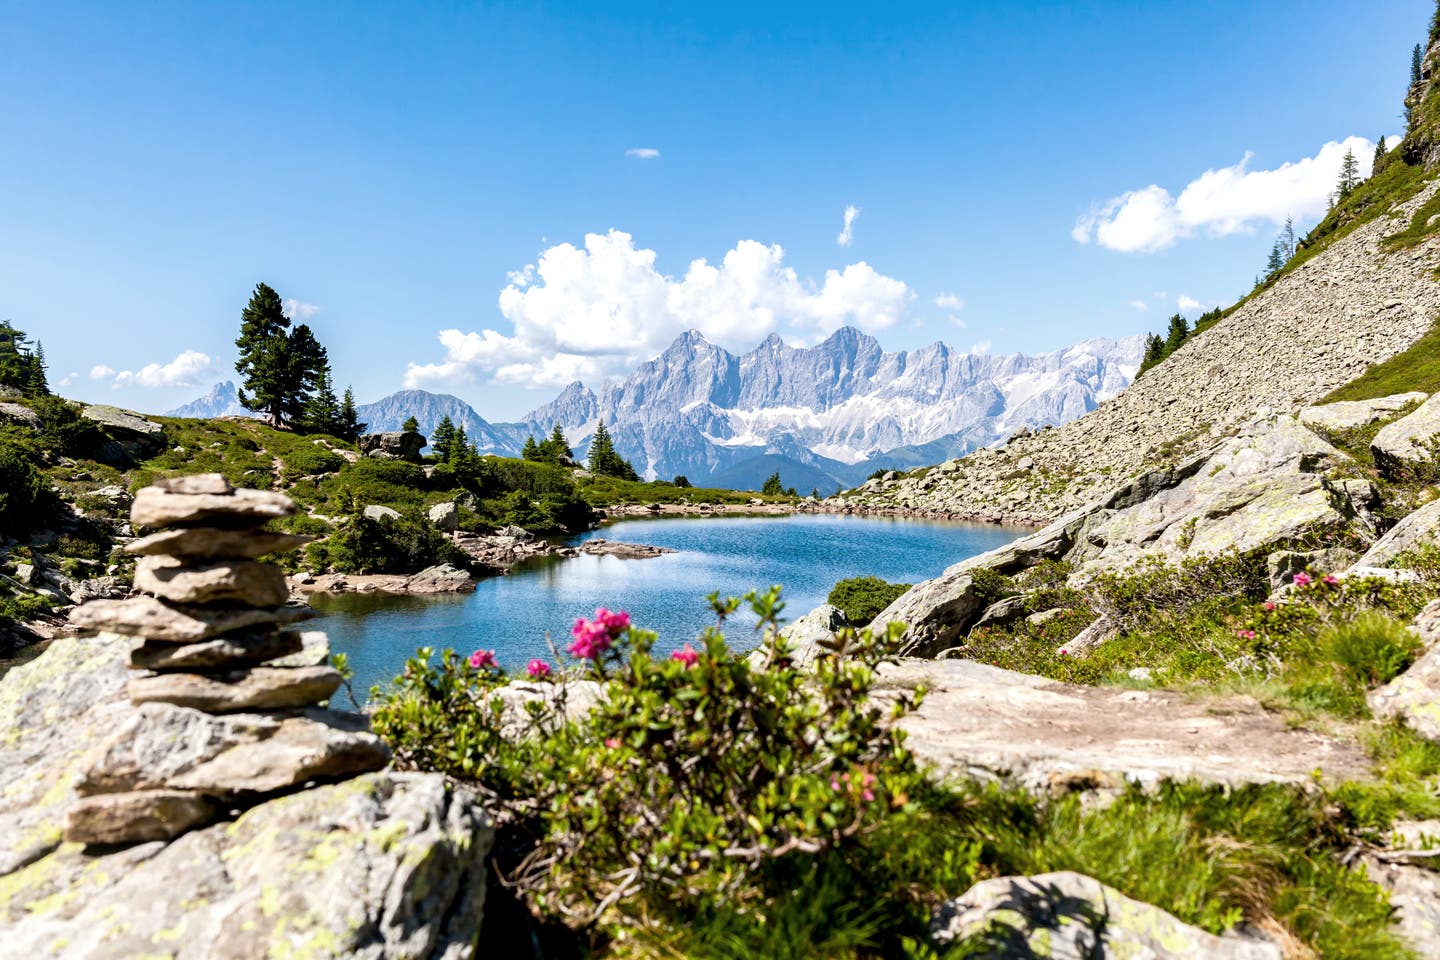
(1314, 330)
(625, 551)
(445, 516)
(1416, 530)
(1353, 414)
(981, 721)
(129, 437)
(1410, 442)
(393, 446)
(1069, 916)
(21, 414)
(1414, 696)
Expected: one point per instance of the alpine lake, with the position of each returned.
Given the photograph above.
(520, 614)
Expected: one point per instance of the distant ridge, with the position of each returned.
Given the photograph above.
(221, 401)
(389, 413)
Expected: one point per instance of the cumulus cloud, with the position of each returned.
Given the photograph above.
(593, 311)
(642, 153)
(298, 310)
(69, 378)
(948, 301)
(847, 232)
(185, 370)
(1187, 304)
(1221, 202)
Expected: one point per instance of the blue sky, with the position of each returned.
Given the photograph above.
(395, 168)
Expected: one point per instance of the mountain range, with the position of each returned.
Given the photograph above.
(222, 401)
(825, 416)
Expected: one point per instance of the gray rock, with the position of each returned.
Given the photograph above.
(246, 582)
(228, 652)
(981, 721)
(626, 551)
(314, 651)
(164, 746)
(377, 512)
(209, 543)
(806, 635)
(519, 533)
(1414, 894)
(442, 578)
(21, 414)
(1001, 612)
(383, 867)
(98, 588)
(123, 421)
(1353, 414)
(393, 446)
(157, 508)
(936, 613)
(1284, 564)
(1414, 696)
(1069, 916)
(1408, 443)
(445, 516)
(259, 688)
(159, 814)
(1417, 529)
(162, 622)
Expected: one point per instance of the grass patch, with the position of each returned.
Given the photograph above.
(1418, 368)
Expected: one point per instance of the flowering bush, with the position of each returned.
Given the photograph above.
(693, 773)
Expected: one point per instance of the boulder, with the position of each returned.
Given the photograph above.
(936, 613)
(1069, 916)
(228, 756)
(130, 437)
(247, 582)
(1001, 612)
(445, 516)
(98, 588)
(1284, 564)
(1414, 696)
(1353, 414)
(806, 634)
(393, 446)
(156, 508)
(21, 414)
(208, 543)
(518, 533)
(626, 551)
(1417, 529)
(161, 622)
(137, 817)
(379, 512)
(224, 653)
(1408, 443)
(259, 688)
(442, 578)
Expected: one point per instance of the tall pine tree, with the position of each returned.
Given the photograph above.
(1178, 331)
(280, 366)
(1349, 176)
(350, 427)
(442, 439)
(1380, 150)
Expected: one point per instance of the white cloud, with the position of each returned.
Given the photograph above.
(1139, 304)
(642, 153)
(298, 310)
(1230, 200)
(948, 301)
(847, 232)
(70, 378)
(981, 348)
(587, 313)
(1187, 304)
(185, 370)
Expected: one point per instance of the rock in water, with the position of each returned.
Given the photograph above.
(261, 688)
(161, 622)
(246, 582)
(203, 543)
(1069, 916)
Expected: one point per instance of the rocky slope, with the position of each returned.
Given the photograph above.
(1318, 328)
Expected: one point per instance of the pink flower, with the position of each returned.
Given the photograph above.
(867, 795)
(613, 743)
(538, 668)
(482, 658)
(591, 639)
(1245, 634)
(617, 622)
(1331, 580)
(687, 655)
(1063, 651)
(1269, 605)
(834, 784)
(1302, 580)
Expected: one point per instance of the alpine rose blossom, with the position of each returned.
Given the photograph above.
(482, 658)
(538, 668)
(617, 622)
(594, 637)
(1302, 580)
(688, 655)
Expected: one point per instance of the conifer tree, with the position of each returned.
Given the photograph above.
(280, 366)
(772, 486)
(1380, 151)
(1287, 240)
(350, 428)
(1349, 176)
(1276, 260)
(604, 460)
(322, 410)
(411, 425)
(1154, 351)
(461, 448)
(557, 447)
(1416, 61)
(1178, 331)
(442, 439)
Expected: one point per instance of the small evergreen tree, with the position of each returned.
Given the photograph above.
(604, 460)
(461, 448)
(1276, 261)
(442, 439)
(1380, 151)
(772, 487)
(1349, 176)
(556, 449)
(682, 481)
(1179, 329)
(1287, 239)
(22, 366)
(349, 428)
(411, 425)
(1416, 61)
(531, 450)
(322, 410)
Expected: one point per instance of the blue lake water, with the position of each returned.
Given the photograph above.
(513, 613)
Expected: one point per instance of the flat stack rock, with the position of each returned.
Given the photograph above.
(228, 698)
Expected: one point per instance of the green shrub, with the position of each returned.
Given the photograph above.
(389, 545)
(862, 598)
(25, 500)
(312, 460)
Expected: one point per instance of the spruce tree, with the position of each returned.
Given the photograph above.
(350, 427)
(557, 447)
(1178, 331)
(1380, 151)
(604, 460)
(442, 439)
(531, 450)
(461, 448)
(1349, 176)
(411, 425)
(1416, 61)
(1276, 260)
(772, 486)
(1154, 351)
(322, 410)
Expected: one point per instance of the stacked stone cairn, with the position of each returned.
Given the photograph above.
(225, 696)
